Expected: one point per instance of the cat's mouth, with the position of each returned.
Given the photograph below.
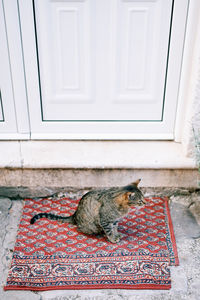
(138, 202)
(141, 202)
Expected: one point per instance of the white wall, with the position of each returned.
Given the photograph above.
(188, 113)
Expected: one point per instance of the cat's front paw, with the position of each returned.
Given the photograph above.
(119, 235)
(114, 239)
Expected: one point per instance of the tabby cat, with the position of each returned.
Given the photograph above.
(99, 211)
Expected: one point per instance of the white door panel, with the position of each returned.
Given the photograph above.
(142, 37)
(102, 60)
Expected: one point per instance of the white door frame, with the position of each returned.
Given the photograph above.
(188, 73)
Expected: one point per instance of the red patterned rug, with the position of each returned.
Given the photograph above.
(51, 255)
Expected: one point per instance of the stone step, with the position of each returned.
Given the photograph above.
(83, 164)
(87, 178)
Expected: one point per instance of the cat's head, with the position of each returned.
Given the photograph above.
(135, 196)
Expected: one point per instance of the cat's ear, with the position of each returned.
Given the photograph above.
(135, 183)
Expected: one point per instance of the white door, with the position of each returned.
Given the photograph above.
(7, 112)
(14, 123)
(103, 68)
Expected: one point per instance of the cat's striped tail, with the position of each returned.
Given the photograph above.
(69, 219)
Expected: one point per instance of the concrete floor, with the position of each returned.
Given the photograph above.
(185, 211)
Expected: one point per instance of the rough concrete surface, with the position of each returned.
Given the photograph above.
(102, 177)
(185, 208)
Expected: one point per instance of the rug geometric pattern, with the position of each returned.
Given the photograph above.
(53, 255)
